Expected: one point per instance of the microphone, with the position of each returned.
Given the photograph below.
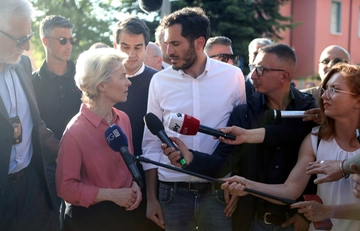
(150, 5)
(188, 125)
(118, 142)
(277, 114)
(156, 127)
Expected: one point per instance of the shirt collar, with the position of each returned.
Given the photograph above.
(44, 71)
(292, 101)
(93, 118)
(141, 70)
(209, 63)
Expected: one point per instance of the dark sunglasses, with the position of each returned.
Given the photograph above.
(19, 42)
(225, 57)
(335, 61)
(63, 40)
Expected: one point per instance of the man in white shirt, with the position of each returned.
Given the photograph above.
(206, 89)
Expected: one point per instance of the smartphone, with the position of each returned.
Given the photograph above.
(322, 225)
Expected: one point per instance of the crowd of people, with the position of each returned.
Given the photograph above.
(58, 171)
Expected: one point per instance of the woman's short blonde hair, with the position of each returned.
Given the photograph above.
(94, 67)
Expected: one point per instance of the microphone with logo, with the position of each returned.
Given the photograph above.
(188, 125)
(155, 126)
(118, 142)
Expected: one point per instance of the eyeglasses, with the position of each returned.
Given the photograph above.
(63, 40)
(19, 42)
(260, 70)
(329, 92)
(225, 57)
(335, 61)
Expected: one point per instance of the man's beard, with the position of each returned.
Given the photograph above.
(189, 59)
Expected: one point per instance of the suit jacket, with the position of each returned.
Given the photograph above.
(45, 146)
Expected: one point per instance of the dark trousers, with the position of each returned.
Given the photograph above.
(101, 216)
(23, 205)
(55, 213)
(142, 223)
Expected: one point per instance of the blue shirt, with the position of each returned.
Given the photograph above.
(10, 85)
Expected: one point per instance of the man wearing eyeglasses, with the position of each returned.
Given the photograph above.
(270, 159)
(330, 56)
(219, 48)
(57, 96)
(25, 143)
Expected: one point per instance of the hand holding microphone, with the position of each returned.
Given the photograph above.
(188, 125)
(175, 154)
(155, 126)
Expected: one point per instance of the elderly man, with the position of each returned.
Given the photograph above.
(26, 145)
(153, 56)
(330, 56)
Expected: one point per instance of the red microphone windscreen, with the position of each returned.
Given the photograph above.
(190, 125)
(184, 124)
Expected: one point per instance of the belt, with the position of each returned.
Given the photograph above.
(273, 219)
(12, 178)
(194, 186)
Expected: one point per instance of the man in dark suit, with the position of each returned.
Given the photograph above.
(25, 143)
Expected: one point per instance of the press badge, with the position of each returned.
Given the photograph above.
(15, 121)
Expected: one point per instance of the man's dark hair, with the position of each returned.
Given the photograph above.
(193, 21)
(133, 26)
(282, 51)
(53, 21)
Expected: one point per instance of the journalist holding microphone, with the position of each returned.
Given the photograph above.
(334, 140)
(92, 178)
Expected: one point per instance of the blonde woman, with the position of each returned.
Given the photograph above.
(91, 177)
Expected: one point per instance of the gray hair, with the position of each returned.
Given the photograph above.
(94, 67)
(53, 21)
(159, 34)
(261, 41)
(14, 8)
(221, 40)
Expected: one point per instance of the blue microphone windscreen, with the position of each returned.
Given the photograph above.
(115, 137)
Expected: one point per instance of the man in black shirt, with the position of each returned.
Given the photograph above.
(57, 96)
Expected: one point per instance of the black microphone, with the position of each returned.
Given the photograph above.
(118, 142)
(155, 126)
(277, 114)
(150, 5)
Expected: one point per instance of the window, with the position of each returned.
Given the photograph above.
(335, 17)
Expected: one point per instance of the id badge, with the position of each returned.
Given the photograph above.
(15, 121)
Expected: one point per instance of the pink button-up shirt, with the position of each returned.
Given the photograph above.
(86, 162)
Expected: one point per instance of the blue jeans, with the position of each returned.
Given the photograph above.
(186, 210)
(259, 225)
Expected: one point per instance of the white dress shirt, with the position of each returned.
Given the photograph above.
(210, 98)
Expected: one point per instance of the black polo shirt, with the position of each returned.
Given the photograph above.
(57, 96)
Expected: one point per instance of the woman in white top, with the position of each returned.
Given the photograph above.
(340, 109)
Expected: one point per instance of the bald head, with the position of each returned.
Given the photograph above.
(153, 56)
(330, 56)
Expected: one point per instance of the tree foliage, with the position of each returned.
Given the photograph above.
(240, 20)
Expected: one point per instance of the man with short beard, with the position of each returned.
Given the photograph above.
(208, 90)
